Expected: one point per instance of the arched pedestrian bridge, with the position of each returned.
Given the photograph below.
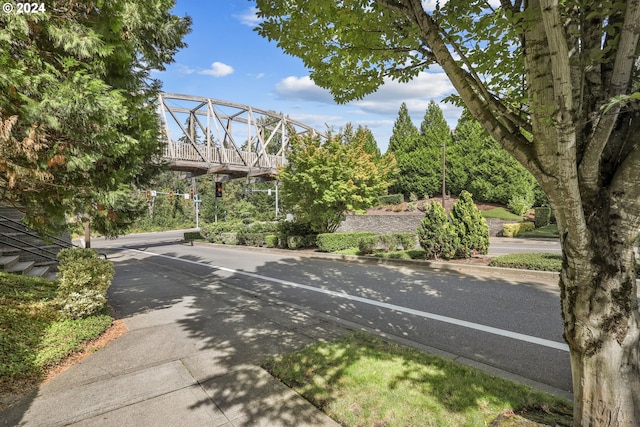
(204, 135)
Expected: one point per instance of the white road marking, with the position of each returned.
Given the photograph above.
(465, 324)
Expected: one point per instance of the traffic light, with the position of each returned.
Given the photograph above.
(148, 194)
(191, 193)
(171, 195)
(218, 189)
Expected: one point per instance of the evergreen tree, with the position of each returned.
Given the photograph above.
(478, 164)
(404, 132)
(437, 235)
(75, 80)
(420, 155)
(472, 228)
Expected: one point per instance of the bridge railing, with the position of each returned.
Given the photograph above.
(216, 155)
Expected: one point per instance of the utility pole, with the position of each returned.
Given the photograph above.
(444, 172)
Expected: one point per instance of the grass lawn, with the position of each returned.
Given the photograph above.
(529, 261)
(548, 231)
(33, 336)
(363, 380)
(501, 213)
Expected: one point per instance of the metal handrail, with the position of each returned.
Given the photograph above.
(51, 255)
(20, 228)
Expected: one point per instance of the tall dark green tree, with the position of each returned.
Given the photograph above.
(404, 132)
(77, 99)
(420, 156)
(478, 164)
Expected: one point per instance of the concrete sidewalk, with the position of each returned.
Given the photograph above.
(191, 358)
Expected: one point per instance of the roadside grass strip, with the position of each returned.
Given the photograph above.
(364, 380)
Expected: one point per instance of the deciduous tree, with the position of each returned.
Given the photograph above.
(324, 180)
(555, 84)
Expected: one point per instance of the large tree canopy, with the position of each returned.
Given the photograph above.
(556, 84)
(78, 124)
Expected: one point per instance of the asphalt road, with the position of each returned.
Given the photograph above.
(511, 325)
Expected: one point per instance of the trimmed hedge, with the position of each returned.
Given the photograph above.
(213, 232)
(251, 239)
(332, 242)
(512, 230)
(367, 244)
(542, 216)
(299, 242)
(303, 235)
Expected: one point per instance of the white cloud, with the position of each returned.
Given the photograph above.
(184, 69)
(249, 17)
(302, 88)
(416, 93)
(218, 69)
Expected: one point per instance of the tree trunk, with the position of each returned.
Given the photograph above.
(602, 328)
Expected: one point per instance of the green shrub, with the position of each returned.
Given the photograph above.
(299, 242)
(82, 304)
(407, 240)
(192, 235)
(391, 199)
(271, 240)
(332, 242)
(229, 238)
(542, 216)
(512, 230)
(68, 255)
(367, 244)
(472, 228)
(520, 204)
(293, 228)
(437, 236)
(213, 232)
(251, 239)
(262, 227)
(81, 271)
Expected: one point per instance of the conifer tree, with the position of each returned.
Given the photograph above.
(404, 132)
(76, 80)
(472, 228)
(477, 163)
(437, 235)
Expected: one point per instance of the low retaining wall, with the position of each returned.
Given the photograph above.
(384, 224)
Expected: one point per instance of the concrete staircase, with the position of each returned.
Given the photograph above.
(22, 251)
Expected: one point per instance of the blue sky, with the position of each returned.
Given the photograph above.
(227, 60)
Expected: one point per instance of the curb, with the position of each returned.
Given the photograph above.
(431, 265)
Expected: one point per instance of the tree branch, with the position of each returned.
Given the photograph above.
(590, 165)
(625, 194)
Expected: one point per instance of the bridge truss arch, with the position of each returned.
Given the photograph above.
(204, 135)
